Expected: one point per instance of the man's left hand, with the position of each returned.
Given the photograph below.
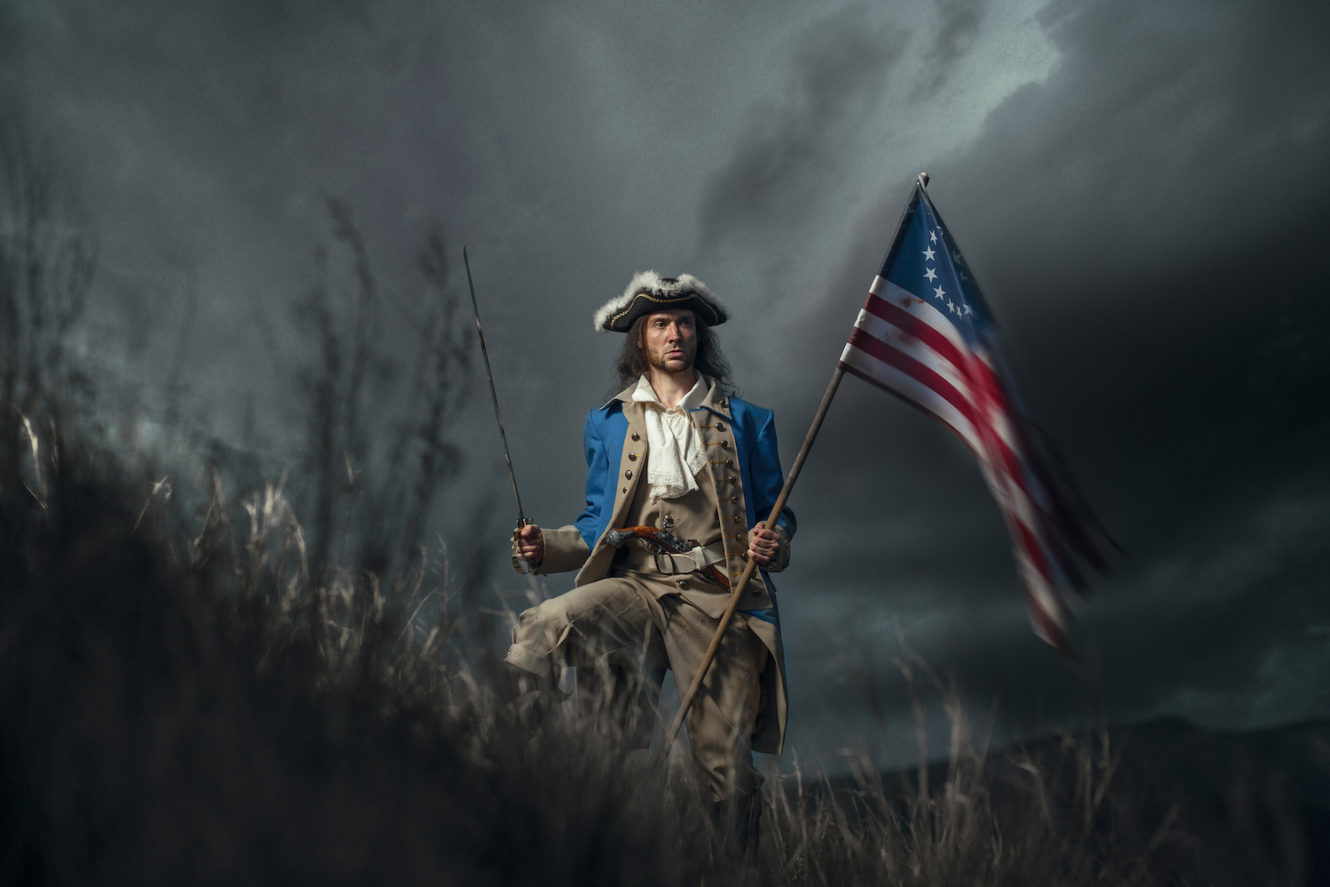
(763, 544)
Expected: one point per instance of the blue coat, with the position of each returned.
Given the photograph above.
(755, 442)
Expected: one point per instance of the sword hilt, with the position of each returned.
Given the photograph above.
(519, 563)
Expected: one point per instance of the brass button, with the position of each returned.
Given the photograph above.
(624, 490)
(632, 457)
(636, 436)
(724, 444)
(720, 426)
(682, 583)
(628, 474)
(729, 463)
(737, 517)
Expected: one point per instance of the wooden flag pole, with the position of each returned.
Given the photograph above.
(686, 701)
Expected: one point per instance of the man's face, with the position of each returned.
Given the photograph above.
(669, 340)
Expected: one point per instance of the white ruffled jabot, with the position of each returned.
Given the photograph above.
(675, 453)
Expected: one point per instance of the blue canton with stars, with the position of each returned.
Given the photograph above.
(926, 261)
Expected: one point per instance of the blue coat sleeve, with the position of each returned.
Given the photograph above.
(591, 522)
(765, 473)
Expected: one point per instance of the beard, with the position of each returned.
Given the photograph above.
(671, 365)
(654, 356)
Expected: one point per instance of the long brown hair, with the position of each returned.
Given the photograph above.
(709, 361)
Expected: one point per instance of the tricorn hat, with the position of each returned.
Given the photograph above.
(648, 292)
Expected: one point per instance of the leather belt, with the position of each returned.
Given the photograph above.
(692, 561)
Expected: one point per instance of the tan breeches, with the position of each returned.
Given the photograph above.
(619, 635)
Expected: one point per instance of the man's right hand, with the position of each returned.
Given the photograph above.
(529, 544)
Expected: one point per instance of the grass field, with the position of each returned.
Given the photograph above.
(185, 702)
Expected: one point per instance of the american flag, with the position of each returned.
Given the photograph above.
(926, 335)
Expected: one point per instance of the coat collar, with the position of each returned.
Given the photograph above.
(716, 400)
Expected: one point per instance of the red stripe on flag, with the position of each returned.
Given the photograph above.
(993, 447)
(967, 362)
(983, 381)
(915, 369)
(1030, 543)
(924, 332)
(948, 365)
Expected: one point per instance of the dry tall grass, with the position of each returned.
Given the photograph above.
(200, 708)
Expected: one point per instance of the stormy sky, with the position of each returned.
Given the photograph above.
(1141, 189)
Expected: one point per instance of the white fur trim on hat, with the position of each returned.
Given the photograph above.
(685, 288)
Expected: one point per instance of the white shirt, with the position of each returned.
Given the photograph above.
(675, 451)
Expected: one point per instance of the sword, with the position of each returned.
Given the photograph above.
(518, 562)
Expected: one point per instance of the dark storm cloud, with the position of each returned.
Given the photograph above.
(1168, 131)
(959, 22)
(777, 165)
(1148, 223)
(1157, 230)
(1197, 274)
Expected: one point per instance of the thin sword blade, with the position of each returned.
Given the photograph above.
(494, 396)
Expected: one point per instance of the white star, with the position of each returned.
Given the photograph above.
(951, 306)
(940, 292)
(968, 312)
(928, 254)
(933, 236)
(930, 274)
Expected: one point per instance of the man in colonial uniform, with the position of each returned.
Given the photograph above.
(674, 450)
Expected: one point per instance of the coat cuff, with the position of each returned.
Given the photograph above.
(564, 550)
